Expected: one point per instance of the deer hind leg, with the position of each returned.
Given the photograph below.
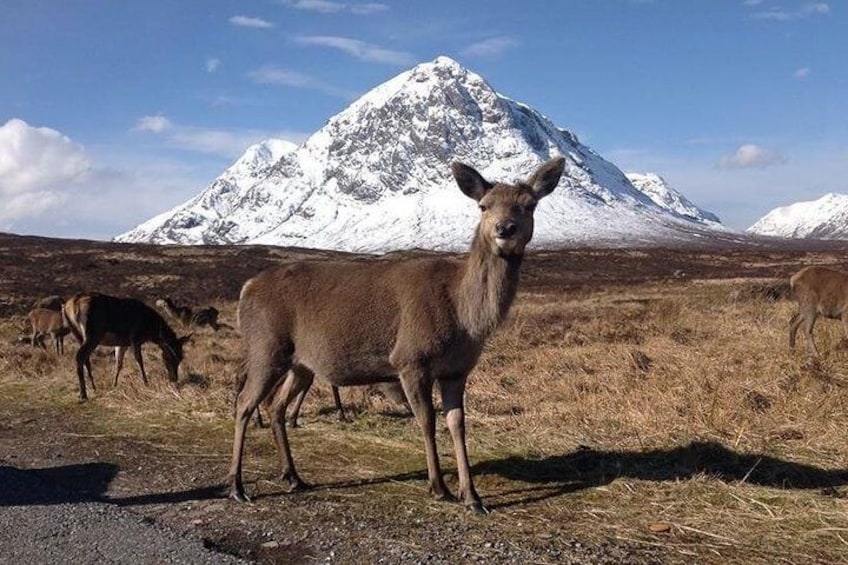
(82, 359)
(809, 323)
(453, 392)
(418, 387)
(119, 362)
(297, 382)
(263, 374)
(139, 360)
(295, 412)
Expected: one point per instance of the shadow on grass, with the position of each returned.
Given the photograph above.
(86, 482)
(585, 468)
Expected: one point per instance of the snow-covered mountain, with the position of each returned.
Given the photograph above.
(376, 178)
(657, 189)
(825, 218)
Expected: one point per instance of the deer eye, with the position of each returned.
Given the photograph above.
(483, 207)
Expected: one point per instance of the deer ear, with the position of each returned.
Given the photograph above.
(470, 181)
(546, 177)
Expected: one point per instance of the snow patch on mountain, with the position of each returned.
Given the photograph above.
(657, 189)
(825, 218)
(376, 178)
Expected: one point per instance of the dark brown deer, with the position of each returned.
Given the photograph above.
(819, 291)
(420, 321)
(46, 322)
(99, 319)
(187, 317)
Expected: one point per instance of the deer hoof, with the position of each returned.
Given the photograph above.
(478, 508)
(239, 496)
(296, 484)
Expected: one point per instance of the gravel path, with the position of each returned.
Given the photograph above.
(42, 523)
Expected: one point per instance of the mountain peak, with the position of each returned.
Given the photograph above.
(823, 218)
(376, 177)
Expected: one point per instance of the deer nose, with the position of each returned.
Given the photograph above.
(505, 230)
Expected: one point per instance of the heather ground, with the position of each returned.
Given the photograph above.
(638, 406)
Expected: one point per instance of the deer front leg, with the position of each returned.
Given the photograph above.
(453, 392)
(339, 408)
(418, 387)
(136, 347)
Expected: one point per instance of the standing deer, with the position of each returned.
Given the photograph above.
(420, 321)
(99, 319)
(818, 291)
(46, 322)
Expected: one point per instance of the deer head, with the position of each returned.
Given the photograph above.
(506, 211)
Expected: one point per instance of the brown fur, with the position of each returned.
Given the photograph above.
(46, 322)
(99, 319)
(53, 302)
(422, 321)
(187, 317)
(819, 291)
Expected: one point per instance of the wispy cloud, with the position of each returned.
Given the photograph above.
(751, 156)
(279, 76)
(222, 142)
(801, 73)
(212, 64)
(247, 21)
(155, 124)
(490, 47)
(781, 14)
(331, 7)
(359, 49)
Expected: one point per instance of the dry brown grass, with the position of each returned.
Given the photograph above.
(599, 413)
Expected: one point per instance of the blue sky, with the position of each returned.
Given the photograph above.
(111, 112)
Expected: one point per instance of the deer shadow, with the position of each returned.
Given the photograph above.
(584, 468)
(85, 482)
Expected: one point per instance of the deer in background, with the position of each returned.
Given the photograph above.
(819, 291)
(421, 322)
(187, 317)
(99, 319)
(46, 322)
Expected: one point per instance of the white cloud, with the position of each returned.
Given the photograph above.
(37, 166)
(782, 14)
(802, 73)
(490, 47)
(359, 49)
(330, 7)
(246, 21)
(156, 124)
(279, 76)
(368, 8)
(212, 64)
(752, 2)
(749, 156)
(229, 143)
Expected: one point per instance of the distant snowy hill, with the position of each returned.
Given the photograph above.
(654, 187)
(376, 178)
(825, 218)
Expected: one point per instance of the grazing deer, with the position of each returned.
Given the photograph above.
(187, 317)
(99, 319)
(819, 291)
(420, 321)
(46, 322)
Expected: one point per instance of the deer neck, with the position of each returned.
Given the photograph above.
(486, 290)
